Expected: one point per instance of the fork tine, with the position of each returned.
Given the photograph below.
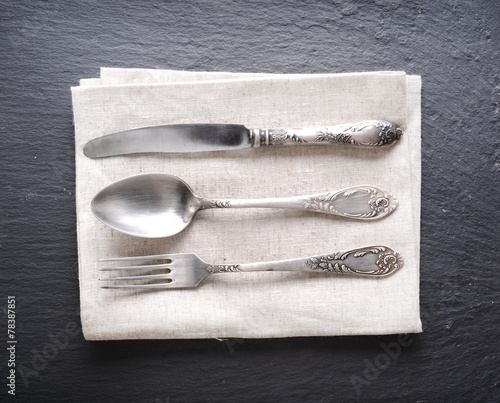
(181, 270)
(145, 277)
(143, 286)
(140, 267)
(148, 257)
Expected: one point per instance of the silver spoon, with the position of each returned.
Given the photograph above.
(159, 205)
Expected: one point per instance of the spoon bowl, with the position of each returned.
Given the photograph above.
(148, 206)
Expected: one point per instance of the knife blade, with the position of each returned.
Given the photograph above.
(187, 138)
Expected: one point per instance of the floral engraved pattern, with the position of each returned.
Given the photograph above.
(223, 268)
(389, 134)
(212, 203)
(389, 262)
(281, 136)
(328, 263)
(377, 202)
(366, 133)
(321, 203)
(386, 261)
(353, 134)
(330, 137)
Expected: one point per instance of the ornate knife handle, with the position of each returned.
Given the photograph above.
(369, 133)
(372, 261)
(359, 202)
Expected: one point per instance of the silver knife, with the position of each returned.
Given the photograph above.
(187, 138)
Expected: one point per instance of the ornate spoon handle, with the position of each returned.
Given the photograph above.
(372, 261)
(369, 133)
(359, 202)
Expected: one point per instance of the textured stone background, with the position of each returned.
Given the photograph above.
(47, 46)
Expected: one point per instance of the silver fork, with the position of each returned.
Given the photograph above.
(186, 270)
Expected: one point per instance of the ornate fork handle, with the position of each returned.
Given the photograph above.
(369, 133)
(359, 202)
(372, 261)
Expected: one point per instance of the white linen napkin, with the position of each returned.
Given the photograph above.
(265, 304)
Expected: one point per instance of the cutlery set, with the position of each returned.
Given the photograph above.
(159, 205)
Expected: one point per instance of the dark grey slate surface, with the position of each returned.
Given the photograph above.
(47, 46)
